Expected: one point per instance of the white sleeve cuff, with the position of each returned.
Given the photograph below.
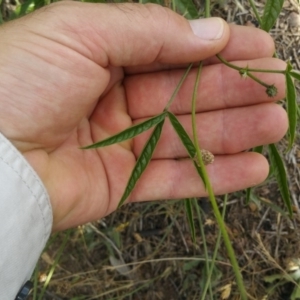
(25, 219)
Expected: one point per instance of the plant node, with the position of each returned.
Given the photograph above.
(244, 72)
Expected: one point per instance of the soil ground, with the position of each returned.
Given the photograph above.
(144, 251)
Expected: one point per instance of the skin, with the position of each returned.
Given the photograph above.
(73, 73)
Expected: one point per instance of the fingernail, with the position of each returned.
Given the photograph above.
(208, 29)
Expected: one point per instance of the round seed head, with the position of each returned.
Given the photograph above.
(271, 90)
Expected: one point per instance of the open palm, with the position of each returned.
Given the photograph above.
(72, 74)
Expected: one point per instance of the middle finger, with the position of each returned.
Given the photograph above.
(220, 87)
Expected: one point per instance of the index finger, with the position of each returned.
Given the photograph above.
(220, 87)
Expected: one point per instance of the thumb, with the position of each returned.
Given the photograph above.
(135, 34)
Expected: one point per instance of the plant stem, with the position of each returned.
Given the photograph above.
(178, 87)
(209, 274)
(228, 64)
(255, 12)
(207, 8)
(201, 225)
(257, 80)
(212, 198)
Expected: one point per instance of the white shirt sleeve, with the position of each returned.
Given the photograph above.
(25, 219)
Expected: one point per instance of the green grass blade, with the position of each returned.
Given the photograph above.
(292, 107)
(186, 141)
(203, 237)
(190, 217)
(295, 74)
(213, 261)
(142, 161)
(271, 13)
(274, 207)
(35, 281)
(57, 258)
(258, 18)
(258, 149)
(187, 8)
(129, 132)
(280, 173)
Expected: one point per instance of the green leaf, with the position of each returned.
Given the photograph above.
(190, 265)
(258, 149)
(160, 2)
(271, 13)
(295, 74)
(94, 1)
(129, 132)
(189, 213)
(142, 161)
(296, 293)
(186, 8)
(39, 3)
(292, 107)
(274, 207)
(274, 277)
(186, 141)
(280, 173)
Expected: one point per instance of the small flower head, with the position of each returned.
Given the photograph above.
(271, 90)
(244, 72)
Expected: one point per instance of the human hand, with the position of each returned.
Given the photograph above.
(73, 73)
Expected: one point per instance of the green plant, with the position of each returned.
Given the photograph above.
(271, 12)
(188, 9)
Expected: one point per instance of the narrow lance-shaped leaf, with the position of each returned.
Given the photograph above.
(190, 217)
(258, 149)
(129, 132)
(187, 8)
(292, 107)
(142, 161)
(295, 74)
(280, 173)
(271, 13)
(186, 141)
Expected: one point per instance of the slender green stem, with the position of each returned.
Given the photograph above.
(184, 76)
(266, 71)
(256, 12)
(258, 80)
(201, 226)
(228, 64)
(207, 8)
(35, 282)
(212, 198)
(209, 274)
